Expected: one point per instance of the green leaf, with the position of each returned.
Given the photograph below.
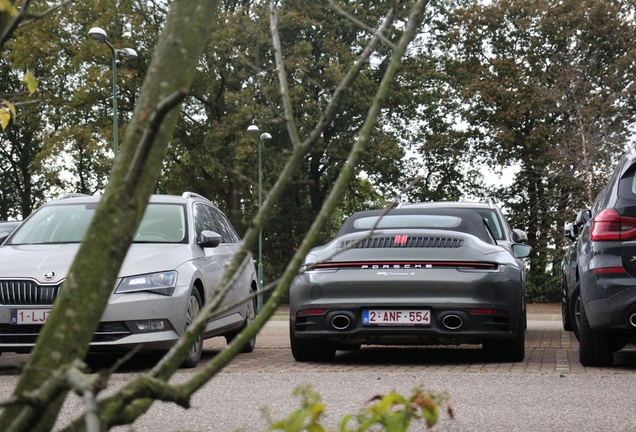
(388, 402)
(6, 6)
(31, 82)
(296, 421)
(10, 106)
(344, 421)
(431, 415)
(5, 117)
(317, 408)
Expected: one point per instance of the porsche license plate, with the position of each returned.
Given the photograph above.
(29, 316)
(396, 317)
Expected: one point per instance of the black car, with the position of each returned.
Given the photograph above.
(417, 275)
(599, 270)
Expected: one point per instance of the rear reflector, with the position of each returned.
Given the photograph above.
(488, 312)
(311, 312)
(609, 270)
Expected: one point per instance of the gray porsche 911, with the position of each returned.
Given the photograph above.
(412, 276)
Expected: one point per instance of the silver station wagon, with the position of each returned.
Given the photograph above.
(174, 265)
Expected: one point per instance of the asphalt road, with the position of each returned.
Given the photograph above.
(549, 391)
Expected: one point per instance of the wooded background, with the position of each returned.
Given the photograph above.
(544, 86)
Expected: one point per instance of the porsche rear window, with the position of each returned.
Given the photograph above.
(407, 221)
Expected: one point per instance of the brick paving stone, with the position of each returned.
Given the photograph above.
(549, 349)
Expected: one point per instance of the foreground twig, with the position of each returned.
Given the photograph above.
(136, 393)
(371, 231)
(150, 133)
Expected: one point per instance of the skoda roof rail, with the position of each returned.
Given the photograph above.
(193, 195)
(73, 195)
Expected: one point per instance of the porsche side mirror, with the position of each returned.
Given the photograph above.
(521, 250)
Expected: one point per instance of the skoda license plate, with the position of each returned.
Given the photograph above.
(29, 316)
(396, 317)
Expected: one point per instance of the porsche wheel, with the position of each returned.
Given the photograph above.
(311, 350)
(513, 350)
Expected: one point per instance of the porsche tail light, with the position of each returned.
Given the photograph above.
(306, 312)
(609, 225)
(482, 311)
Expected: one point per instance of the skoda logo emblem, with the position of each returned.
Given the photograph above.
(49, 275)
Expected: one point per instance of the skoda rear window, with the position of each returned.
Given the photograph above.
(407, 221)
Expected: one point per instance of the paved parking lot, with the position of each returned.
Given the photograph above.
(548, 349)
(533, 395)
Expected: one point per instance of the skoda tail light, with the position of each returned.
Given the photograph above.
(608, 225)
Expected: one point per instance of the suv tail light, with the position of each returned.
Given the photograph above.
(608, 225)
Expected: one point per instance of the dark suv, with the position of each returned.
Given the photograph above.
(599, 270)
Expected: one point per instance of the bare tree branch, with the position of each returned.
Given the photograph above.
(292, 130)
(211, 368)
(24, 17)
(384, 212)
(138, 395)
(150, 133)
(13, 25)
(35, 17)
(360, 24)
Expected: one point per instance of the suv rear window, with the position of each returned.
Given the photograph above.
(627, 184)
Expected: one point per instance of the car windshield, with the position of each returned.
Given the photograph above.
(68, 223)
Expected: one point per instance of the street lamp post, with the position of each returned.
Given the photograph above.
(325, 162)
(100, 35)
(261, 137)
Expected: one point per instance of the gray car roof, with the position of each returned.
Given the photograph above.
(447, 204)
(155, 198)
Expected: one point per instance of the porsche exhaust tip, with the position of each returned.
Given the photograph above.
(452, 322)
(341, 322)
(632, 319)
